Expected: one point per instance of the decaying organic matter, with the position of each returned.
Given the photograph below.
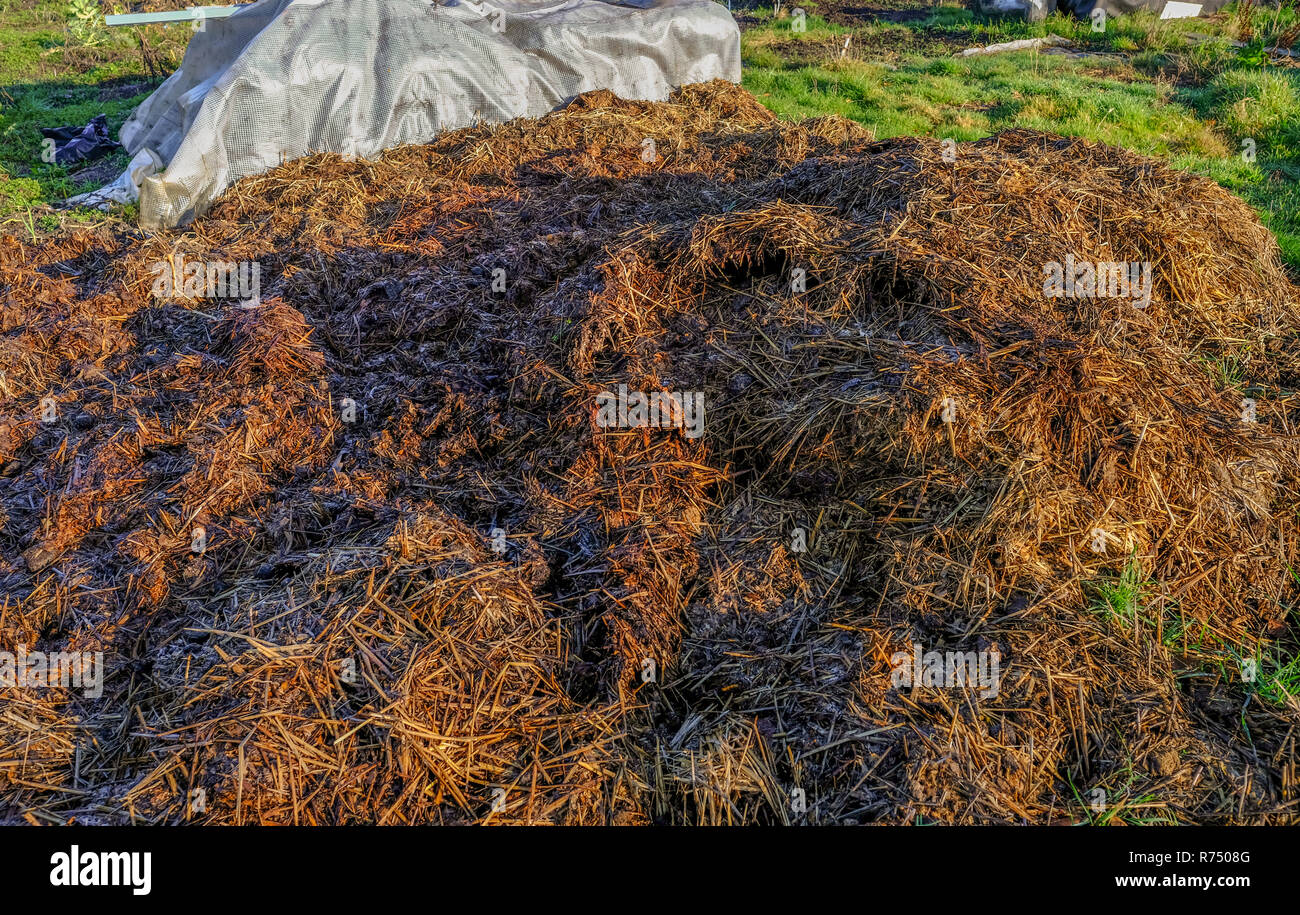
(432, 588)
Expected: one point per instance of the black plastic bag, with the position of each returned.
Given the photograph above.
(73, 145)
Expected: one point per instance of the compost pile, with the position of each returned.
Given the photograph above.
(364, 551)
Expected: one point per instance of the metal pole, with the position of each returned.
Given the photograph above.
(186, 15)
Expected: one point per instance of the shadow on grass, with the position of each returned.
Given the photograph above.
(25, 180)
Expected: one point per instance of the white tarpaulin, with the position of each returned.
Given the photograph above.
(283, 78)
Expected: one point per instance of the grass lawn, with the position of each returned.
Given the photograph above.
(51, 75)
(1150, 86)
(1176, 89)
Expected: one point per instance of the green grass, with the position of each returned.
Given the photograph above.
(1120, 806)
(1121, 598)
(1125, 599)
(1226, 371)
(1139, 32)
(1198, 104)
(973, 98)
(48, 78)
(1277, 678)
(1133, 812)
(1258, 103)
(1201, 105)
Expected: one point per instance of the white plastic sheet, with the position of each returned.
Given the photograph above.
(284, 78)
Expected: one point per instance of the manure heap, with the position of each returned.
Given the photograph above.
(399, 542)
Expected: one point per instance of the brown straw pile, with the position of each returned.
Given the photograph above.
(431, 587)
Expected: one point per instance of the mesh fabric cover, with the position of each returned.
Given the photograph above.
(284, 78)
